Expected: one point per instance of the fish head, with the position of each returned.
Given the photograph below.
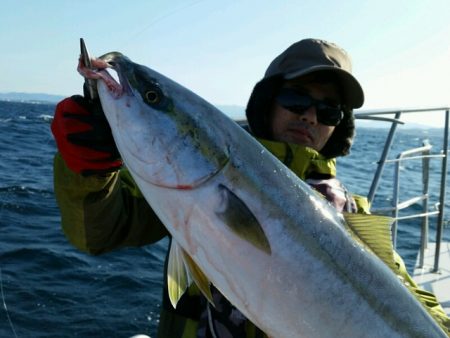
(161, 128)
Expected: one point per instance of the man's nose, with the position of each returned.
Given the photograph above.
(309, 116)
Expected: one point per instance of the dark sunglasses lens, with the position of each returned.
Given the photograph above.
(330, 116)
(298, 103)
(290, 99)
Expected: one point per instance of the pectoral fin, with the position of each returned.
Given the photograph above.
(238, 217)
(375, 232)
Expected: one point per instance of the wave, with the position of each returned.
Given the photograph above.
(23, 190)
(46, 118)
(54, 290)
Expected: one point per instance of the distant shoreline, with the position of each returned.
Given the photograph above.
(30, 97)
(234, 111)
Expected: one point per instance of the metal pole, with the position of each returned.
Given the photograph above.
(425, 190)
(382, 161)
(440, 224)
(395, 202)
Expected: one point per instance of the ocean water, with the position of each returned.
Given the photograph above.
(49, 289)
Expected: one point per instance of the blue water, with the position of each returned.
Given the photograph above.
(49, 289)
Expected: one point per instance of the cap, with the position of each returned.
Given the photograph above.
(311, 55)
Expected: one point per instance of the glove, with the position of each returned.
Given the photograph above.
(334, 192)
(83, 136)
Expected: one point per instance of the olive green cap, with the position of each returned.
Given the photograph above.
(311, 55)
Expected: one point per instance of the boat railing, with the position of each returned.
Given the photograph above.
(425, 155)
(398, 205)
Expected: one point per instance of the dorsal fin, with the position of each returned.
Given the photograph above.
(238, 217)
(375, 232)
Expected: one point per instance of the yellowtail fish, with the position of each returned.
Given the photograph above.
(244, 222)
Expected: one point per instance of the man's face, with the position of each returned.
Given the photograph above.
(304, 129)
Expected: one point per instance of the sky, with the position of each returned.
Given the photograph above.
(219, 49)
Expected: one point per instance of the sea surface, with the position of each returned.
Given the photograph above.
(49, 289)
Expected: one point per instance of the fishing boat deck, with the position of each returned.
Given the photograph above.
(436, 282)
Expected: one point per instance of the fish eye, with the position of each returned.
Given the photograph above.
(153, 96)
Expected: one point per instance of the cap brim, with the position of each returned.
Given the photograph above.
(353, 92)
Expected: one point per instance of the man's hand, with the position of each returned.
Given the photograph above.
(84, 138)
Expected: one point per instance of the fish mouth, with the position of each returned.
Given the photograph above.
(115, 61)
(122, 66)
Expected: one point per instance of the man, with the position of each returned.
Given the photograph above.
(301, 111)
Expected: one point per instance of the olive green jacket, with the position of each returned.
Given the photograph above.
(103, 213)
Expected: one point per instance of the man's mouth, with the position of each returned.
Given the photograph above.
(301, 132)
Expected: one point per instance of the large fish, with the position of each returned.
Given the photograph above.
(244, 222)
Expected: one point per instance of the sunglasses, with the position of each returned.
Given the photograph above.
(298, 103)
